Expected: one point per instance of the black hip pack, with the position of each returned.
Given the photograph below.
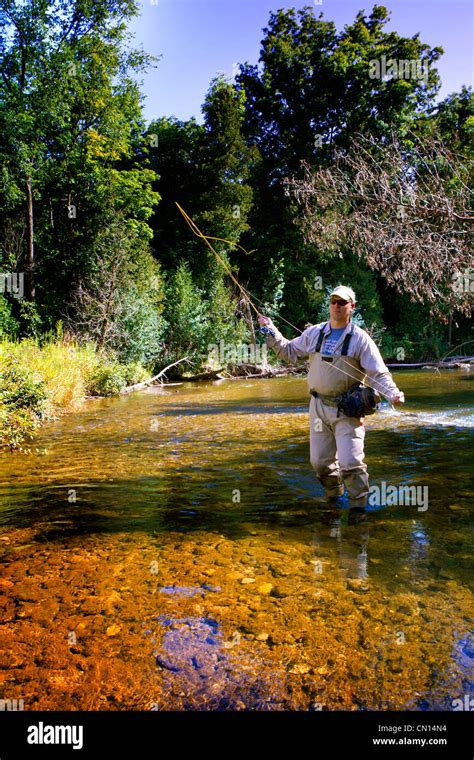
(358, 401)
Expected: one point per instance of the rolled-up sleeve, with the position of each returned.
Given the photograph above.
(376, 370)
(289, 350)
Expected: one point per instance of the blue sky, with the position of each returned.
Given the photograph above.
(196, 39)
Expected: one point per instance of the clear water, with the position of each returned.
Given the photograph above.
(196, 505)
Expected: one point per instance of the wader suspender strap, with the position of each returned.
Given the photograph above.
(345, 345)
(347, 340)
(320, 338)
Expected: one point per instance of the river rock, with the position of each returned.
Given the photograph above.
(299, 668)
(265, 588)
(164, 662)
(234, 575)
(358, 585)
(278, 593)
(113, 630)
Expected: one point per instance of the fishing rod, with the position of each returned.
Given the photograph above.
(247, 295)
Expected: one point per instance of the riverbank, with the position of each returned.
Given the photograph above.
(41, 382)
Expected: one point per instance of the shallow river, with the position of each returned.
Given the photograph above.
(173, 550)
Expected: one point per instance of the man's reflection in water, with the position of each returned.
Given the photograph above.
(347, 532)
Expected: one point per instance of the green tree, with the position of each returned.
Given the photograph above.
(174, 154)
(70, 125)
(453, 119)
(310, 92)
(205, 168)
(120, 304)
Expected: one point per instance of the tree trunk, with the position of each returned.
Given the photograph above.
(251, 324)
(29, 277)
(146, 383)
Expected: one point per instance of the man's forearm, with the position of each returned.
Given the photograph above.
(383, 382)
(288, 350)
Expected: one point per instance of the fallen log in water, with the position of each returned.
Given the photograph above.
(457, 363)
(213, 374)
(146, 383)
(244, 370)
(248, 370)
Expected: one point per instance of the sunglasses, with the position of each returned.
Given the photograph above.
(338, 301)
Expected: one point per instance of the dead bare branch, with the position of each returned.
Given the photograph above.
(405, 208)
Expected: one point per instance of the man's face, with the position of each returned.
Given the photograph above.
(340, 309)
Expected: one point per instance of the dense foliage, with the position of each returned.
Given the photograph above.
(88, 190)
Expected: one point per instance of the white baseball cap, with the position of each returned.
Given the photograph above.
(344, 292)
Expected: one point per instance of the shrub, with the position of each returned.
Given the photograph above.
(19, 389)
(198, 319)
(39, 381)
(186, 318)
(8, 325)
(16, 425)
(134, 372)
(107, 379)
(24, 403)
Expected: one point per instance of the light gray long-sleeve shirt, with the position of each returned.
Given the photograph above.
(332, 375)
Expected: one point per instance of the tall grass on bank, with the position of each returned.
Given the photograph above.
(42, 381)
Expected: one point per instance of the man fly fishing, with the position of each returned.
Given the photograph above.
(341, 357)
